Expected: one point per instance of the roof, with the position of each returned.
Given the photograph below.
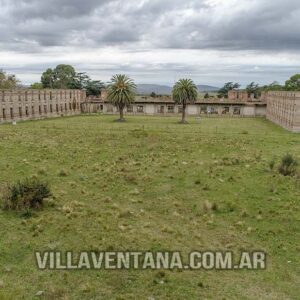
(169, 100)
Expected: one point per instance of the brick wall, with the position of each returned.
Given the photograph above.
(283, 108)
(26, 104)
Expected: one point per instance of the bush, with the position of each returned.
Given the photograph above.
(272, 164)
(25, 195)
(288, 165)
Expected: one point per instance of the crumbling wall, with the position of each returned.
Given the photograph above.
(283, 108)
(27, 104)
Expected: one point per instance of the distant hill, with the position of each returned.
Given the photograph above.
(147, 89)
(207, 88)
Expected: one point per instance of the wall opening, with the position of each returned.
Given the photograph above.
(140, 108)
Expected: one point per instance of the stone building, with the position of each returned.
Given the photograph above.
(283, 108)
(27, 104)
(165, 106)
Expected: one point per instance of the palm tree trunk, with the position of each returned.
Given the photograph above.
(121, 111)
(121, 114)
(183, 120)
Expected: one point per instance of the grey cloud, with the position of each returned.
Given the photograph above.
(190, 24)
(30, 9)
(257, 25)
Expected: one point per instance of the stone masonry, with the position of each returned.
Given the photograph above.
(26, 104)
(283, 108)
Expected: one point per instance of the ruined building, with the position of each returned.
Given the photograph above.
(282, 108)
(25, 104)
(233, 106)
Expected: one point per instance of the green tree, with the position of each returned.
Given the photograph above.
(36, 86)
(206, 96)
(8, 81)
(80, 81)
(62, 77)
(48, 79)
(293, 84)
(121, 92)
(184, 92)
(253, 89)
(274, 86)
(223, 92)
(153, 95)
(94, 87)
(65, 77)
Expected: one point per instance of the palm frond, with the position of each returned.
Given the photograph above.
(121, 91)
(185, 91)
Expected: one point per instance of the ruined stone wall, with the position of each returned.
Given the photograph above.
(283, 108)
(242, 96)
(27, 104)
(238, 95)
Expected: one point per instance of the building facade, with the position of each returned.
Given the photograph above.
(165, 106)
(283, 108)
(27, 104)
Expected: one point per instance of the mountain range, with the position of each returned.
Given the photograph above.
(146, 89)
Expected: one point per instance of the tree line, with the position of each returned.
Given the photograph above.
(292, 84)
(65, 77)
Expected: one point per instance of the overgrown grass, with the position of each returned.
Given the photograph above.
(288, 165)
(25, 195)
(151, 184)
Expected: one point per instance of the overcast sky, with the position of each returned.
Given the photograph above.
(154, 41)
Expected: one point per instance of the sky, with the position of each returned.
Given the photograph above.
(153, 41)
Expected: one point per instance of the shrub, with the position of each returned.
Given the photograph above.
(288, 165)
(272, 164)
(25, 195)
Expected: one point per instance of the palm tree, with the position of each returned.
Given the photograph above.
(121, 92)
(184, 92)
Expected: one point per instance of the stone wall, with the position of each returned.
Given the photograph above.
(26, 104)
(215, 107)
(242, 96)
(238, 95)
(283, 108)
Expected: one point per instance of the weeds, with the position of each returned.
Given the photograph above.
(25, 195)
(272, 164)
(288, 165)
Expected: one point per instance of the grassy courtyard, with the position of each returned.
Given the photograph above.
(146, 185)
